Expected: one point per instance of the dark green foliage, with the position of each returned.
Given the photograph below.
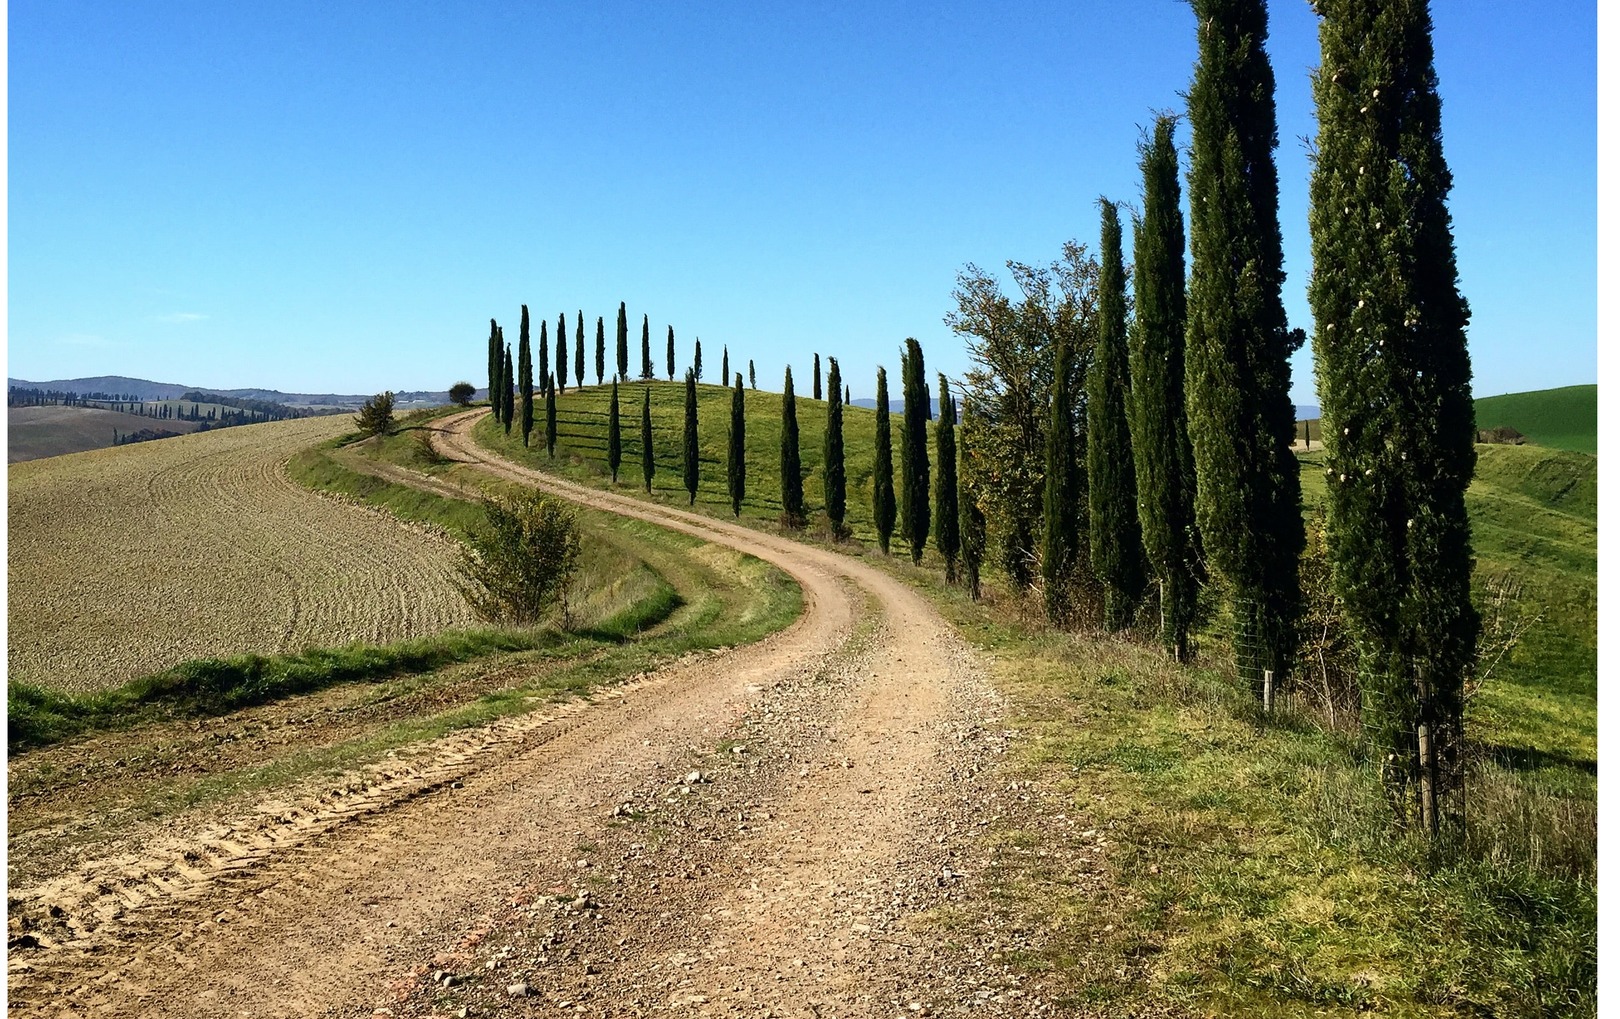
(914, 505)
(542, 357)
(1116, 532)
(376, 415)
(669, 353)
(736, 451)
(1240, 416)
(697, 358)
(947, 533)
(1060, 546)
(833, 493)
(815, 384)
(970, 514)
(792, 476)
(461, 393)
(494, 365)
(615, 443)
(1393, 374)
(601, 351)
(519, 565)
(525, 379)
(725, 362)
(1165, 478)
(646, 440)
(751, 383)
(506, 389)
(562, 351)
(579, 349)
(883, 467)
(689, 439)
(621, 348)
(646, 351)
(846, 393)
(551, 416)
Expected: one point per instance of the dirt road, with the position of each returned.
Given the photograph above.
(783, 829)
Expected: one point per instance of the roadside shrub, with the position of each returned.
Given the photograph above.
(461, 393)
(520, 564)
(376, 415)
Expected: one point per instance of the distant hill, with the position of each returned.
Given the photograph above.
(1563, 418)
(143, 389)
(34, 432)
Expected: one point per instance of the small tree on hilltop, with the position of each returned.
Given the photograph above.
(792, 480)
(579, 349)
(461, 393)
(725, 362)
(751, 383)
(815, 377)
(646, 350)
(669, 353)
(562, 351)
(697, 359)
(542, 358)
(621, 348)
(601, 351)
(376, 415)
(516, 567)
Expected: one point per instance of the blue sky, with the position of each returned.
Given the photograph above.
(339, 196)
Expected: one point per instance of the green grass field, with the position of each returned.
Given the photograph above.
(1563, 418)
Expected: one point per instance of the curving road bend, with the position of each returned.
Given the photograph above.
(585, 869)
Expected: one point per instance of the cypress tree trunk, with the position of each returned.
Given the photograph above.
(615, 441)
(914, 505)
(1393, 374)
(551, 416)
(971, 515)
(833, 494)
(669, 353)
(1061, 539)
(621, 347)
(792, 479)
(689, 440)
(697, 358)
(946, 534)
(646, 350)
(601, 351)
(883, 467)
(736, 451)
(506, 389)
(579, 349)
(1240, 417)
(815, 389)
(525, 369)
(1116, 531)
(1164, 466)
(561, 380)
(646, 440)
(725, 363)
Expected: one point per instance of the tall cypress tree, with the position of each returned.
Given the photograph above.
(1240, 416)
(1393, 374)
(914, 507)
(525, 379)
(815, 385)
(1165, 479)
(646, 349)
(725, 362)
(646, 440)
(883, 467)
(621, 347)
(495, 367)
(751, 383)
(792, 479)
(1116, 531)
(561, 380)
(833, 494)
(542, 359)
(970, 516)
(669, 353)
(697, 358)
(1060, 540)
(689, 440)
(579, 349)
(736, 451)
(615, 443)
(601, 351)
(506, 389)
(946, 524)
(551, 416)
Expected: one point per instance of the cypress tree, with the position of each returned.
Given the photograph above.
(1060, 540)
(725, 362)
(525, 369)
(1165, 479)
(815, 383)
(736, 451)
(971, 517)
(506, 390)
(646, 350)
(669, 353)
(846, 394)
(833, 495)
(751, 383)
(689, 440)
(1116, 531)
(914, 505)
(561, 381)
(551, 416)
(615, 443)
(946, 532)
(542, 358)
(883, 467)
(1393, 374)
(697, 358)
(792, 480)
(579, 350)
(494, 367)
(621, 348)
(601, 351)
(646, 440)
(1240, 417)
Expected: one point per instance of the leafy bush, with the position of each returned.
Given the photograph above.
(376, 415)
(516, 567)
(461, 393)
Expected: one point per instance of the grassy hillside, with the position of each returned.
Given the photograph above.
(1560, 418)
(36, 432)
